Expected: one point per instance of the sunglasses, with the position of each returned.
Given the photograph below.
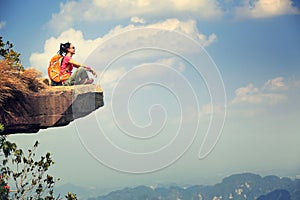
(72, 47)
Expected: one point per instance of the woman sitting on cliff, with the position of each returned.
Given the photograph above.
(80, 76)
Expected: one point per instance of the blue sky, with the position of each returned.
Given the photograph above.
(251, 50)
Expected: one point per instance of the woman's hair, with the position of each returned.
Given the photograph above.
(63, 48)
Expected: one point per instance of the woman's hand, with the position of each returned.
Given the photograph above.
(94, 73)
(91, 70)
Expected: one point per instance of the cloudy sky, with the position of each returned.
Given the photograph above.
(194, 90)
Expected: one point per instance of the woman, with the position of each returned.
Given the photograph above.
(80, 76)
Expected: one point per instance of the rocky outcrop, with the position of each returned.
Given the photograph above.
(49, 107)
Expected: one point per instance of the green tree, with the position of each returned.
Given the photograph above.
(11, 56)
(27, 174)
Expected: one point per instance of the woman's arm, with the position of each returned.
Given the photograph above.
(76, 64)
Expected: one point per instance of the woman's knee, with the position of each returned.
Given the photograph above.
(80, 69)
(82, 73)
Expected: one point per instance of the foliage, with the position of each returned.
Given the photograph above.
(71, 196)
(4, 189)
(1, 127)
(27, 175)
(7, 52)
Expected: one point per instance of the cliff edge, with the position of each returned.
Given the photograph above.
(28, 103)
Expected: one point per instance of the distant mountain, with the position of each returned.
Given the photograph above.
(235, 187)
(276, 195)
(81, 192)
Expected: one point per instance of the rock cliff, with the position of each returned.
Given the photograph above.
(28, 103)
(50, 107)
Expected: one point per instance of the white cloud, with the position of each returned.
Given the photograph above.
(84, 47)
(188, 27)
(111, 77)
(274, 96)
(73, 13)
(137, 20)
(209, 109)
(276, 84)
(207, 40)
(2, 24)
(265, 8)
(173, 62)
(86, 11)
(269, 93)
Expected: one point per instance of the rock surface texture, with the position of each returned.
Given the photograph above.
(50, 107)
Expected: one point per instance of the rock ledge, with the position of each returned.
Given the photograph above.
(50, 107)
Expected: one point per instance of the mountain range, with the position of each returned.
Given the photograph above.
(246, 186)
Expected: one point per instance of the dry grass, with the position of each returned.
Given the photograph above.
(15, 84)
